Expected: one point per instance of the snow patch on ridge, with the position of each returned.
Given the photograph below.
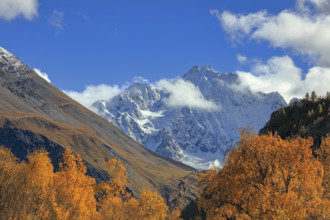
(10, 63)
(182, 118)
(152, 115)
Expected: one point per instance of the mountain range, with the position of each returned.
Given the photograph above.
(194, 119)
(34, 114)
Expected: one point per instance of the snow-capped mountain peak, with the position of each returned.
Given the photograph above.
(11, 63)
(197, 136)
(193, 69)
(207, 68)
(205, 73)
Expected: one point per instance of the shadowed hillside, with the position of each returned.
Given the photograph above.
(306, 118)
(34, 114)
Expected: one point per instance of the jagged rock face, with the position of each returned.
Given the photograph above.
(169, 147)
(195, 136)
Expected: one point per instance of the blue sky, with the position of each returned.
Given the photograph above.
(81, 43)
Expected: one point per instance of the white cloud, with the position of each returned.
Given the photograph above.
(140, 79)
(322, 6)
(180, 94)
(280, 74)
(185, 94)
(105, 92)
(56, 20)
(42, 74)
(306, 35)
(10, 9)
(241, 58)
(305, 32)
(239, 25)
(94, 93)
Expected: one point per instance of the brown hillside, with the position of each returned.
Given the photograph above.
(35, 114)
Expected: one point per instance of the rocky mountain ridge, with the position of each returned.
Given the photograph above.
(198, 133)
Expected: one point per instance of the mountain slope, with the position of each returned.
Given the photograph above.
(304, 118)
(35, 114)
(194, 119)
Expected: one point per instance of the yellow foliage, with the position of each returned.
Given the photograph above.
(73, 189)
(207, 177)
(151, 206)
(324, 157)
(266, 177)
(113, 199)
(116, 203)
(38, 188)
(174, 215)
(115, 187)
(10, 181)
(31, 190)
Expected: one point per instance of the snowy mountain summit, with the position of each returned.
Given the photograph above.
(12, 64)
(194, 119)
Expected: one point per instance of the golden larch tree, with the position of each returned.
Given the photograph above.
(31, 190)
(74, 190)
(266, 177)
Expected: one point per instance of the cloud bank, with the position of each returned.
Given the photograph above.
(10, 9)
(237, 26)
(321, 6)
(185, 94)
(92, 94)
(42, 74)
(180, 94)
(300, 30)
(304, 31)
(282, 75)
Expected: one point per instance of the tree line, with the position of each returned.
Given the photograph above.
(264, 177)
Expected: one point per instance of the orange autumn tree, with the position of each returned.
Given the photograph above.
(151, 206)
(324, 157)
(38, 197)
(11, 182)
(114, 202)
(31, 190)
(26, 188)
(266, 177)
(74, 190)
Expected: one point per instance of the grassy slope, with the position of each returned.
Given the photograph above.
(30, 103)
